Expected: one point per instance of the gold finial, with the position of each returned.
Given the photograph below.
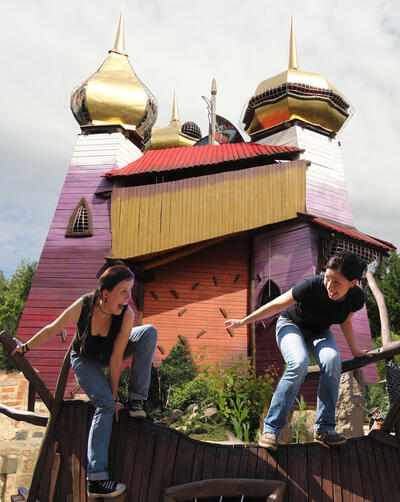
(119, 45)
(293, 64)
(175, 114)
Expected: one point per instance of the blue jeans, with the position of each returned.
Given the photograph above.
(91, 377)
(295, 346)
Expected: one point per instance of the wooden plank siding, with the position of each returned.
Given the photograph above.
(169, 215)
(149, 458)
(201, 305)
(69, 267)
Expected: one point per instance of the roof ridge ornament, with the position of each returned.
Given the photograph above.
(175, 113)
(293, 61)
(119, 45)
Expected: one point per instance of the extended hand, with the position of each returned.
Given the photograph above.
(361, 353)
(117, 408)
(233, 323)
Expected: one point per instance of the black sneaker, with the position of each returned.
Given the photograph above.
(331, 438)
(135, 408)
(106, 488)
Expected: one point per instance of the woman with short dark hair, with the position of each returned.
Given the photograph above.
(307, 312)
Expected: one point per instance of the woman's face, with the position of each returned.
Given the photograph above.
(336, 284)
(118, 297)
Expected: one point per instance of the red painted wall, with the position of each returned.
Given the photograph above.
(224, 261)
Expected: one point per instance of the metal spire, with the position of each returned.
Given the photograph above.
(119, 45)
(293, 63)
(175, 113)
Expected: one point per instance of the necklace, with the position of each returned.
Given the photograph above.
(105, 313)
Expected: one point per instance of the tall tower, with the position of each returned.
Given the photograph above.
(116, 113)
(304, 109)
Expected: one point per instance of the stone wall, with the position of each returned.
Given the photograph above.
(19, 441)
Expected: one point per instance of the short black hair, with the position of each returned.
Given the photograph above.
(348, 264)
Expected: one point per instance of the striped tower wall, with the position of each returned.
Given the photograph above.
(287, 255)
(209, 283)
(69, 267)
(326, 182)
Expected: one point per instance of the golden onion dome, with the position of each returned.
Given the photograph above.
(295, 94)
(175, 134)
(114, 95)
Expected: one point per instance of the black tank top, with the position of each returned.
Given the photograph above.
(95, 347)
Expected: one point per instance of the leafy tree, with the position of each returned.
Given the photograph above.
(13, 295)
(3, 286)
(388, 280)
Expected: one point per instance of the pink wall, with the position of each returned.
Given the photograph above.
(67, 266)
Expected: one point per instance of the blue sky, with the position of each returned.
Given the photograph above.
(49, 46)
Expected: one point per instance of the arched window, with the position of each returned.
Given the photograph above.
(270, 291)
(80, 222)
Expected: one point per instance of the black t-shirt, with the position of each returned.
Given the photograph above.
(315, 311)
(95, 347)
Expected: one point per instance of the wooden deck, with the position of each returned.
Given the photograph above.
(149, 458)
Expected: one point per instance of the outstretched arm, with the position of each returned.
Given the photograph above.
(280, 303)
(69, 316)
(347, 329)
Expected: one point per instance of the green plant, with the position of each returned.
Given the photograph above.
(238, 415)
(376, 396)
(239, 395)
(196, 391)
(302, 417)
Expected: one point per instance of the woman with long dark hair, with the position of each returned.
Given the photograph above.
(104, 337)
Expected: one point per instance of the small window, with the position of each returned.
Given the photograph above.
(80, 222)
(269, 292)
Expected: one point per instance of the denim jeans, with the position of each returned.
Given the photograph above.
(295, 346)
(90, 375)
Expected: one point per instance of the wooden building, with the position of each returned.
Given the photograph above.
(210, 231)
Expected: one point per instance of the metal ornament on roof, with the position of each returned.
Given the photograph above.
(114, 95)
(295, 94)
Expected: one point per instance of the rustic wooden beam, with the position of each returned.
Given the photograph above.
(25, 366)
(386, 352)
(25, 416)
(272, 489)
(49, 434)
(384, 438)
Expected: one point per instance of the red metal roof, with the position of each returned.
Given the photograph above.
(169, 159)
(351, 232)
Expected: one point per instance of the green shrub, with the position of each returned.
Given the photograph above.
(376, 396)
(13, 295)
(240, 395)
(197, 391)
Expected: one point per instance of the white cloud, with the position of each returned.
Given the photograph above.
(49, 46)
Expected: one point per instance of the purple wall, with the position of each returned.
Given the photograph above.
(67, 267)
